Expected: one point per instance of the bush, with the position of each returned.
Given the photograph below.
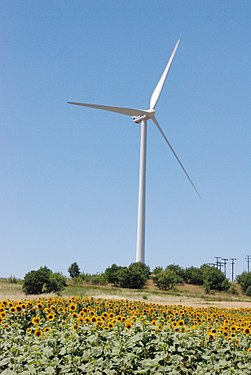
(245, 282)
(248, 291)
(214, 279)
(167, 279)
(193, 275)
(134, 276)
(43, 281)
(177, 269)
(12, 280)
(232, 290)
(111, 274)
(157, 270)
(96, 278)
(56, 283)
(141, 268)
(155, 273)
(129, 278)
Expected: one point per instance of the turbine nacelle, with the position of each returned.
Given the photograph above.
(148, 115)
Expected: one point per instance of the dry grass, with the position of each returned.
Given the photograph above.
(189, 295)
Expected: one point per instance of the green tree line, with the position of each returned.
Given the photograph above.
(135, 276)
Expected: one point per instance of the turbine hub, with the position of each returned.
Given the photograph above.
(148, 114)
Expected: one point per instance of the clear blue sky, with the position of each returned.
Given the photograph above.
(69, 175)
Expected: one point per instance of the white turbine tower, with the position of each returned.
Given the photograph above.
(141, 116)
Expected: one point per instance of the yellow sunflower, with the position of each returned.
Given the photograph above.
(36, 320)
(38, 332)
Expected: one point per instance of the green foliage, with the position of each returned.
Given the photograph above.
(245, 282)
(232, 290)
(56, 283)
(112, 273)
(214, 279)
(193, 275)
(167, 279)
(34, 281)
(140, 268)
(12, 280)
(177, 269)
(248, 291)
(134, 276)
(210, 277)
(74, 270)
(157, 270)
(43, 281)
(96, 278)
(142, 349)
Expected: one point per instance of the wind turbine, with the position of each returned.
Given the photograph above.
(141, 116)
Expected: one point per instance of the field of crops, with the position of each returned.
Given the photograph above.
(99, 336)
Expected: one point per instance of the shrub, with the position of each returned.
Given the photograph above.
(12, 280)
(214, 279)
(248, 291)
(245, 282)
(177, 269)
(155, 273)
(193, 275)
(43, 281)
(167, 279)
(56, 283)
(232, 290)
(131, 278)
(96, 278)
(141, 268)
(111, 274)
(134, 276)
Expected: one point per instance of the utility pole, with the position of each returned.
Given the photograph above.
(218, 263)
(225, 265)
(221, 264)
(232, 264)
(248, 260)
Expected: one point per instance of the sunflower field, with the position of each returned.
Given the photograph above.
(99, 336)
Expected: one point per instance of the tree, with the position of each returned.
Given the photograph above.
(245, 282)
(156, 271)
(167, 278)
(74, 270)
(43, 281)
(130, 278)
(111, 274)
(134, 276)
(193, 275)
(142, 268)
(35, 281)
(56, 283)
(177, 269)
(214, 279)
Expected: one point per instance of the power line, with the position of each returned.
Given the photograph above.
(211, 264)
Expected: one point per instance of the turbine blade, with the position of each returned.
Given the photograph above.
(176, 156)
(121, 110)
(159, 87)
